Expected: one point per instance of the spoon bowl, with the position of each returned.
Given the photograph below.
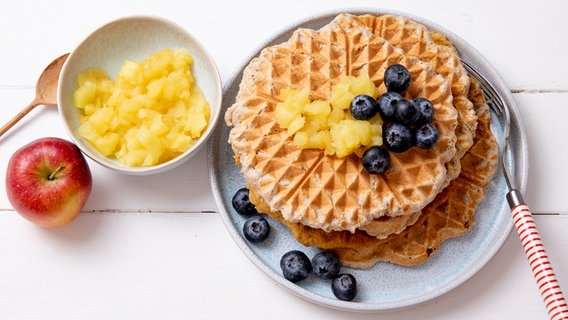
(46, 91)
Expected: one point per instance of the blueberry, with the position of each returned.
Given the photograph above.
(407, 112)
(325, 265)
(387, 105)
(426, 109)
(427, 136)
(242, 204)
(363, 107)
(344, 287)
(295, 265)
(256, 229)
(397, 137)
(376, 159)
(397, 78)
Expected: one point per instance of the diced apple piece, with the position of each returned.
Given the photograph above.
(284, 116)
(100, 120)
(87, 131)
(107, 144)
(341, 100)
(92, 75)
(296, 125)
(130, 72)
(364, 85)
(85, 94)
(195, 124)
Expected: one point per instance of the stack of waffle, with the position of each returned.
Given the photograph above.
(424, 198)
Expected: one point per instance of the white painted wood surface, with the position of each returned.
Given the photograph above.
(154, 248)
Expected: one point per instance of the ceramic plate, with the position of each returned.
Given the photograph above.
(385, 286)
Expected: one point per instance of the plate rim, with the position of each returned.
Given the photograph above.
(467, 52)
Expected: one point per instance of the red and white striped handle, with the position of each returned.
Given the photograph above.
(540, 264)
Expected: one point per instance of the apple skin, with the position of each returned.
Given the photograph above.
(48, 181)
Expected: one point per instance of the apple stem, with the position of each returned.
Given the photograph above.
(55, 172)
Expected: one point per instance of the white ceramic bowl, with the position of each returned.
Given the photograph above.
(134, 38)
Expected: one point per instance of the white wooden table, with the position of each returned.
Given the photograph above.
(155, 248)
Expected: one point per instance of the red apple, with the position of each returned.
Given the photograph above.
(48, 181)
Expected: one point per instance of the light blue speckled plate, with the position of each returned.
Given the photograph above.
(385, 286)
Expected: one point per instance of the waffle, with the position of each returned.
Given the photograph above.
(450, 214)
(326, 192)
(415, 40)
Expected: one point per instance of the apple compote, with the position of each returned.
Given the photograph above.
(152, 112)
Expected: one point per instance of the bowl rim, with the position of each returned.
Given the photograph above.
(215, 106)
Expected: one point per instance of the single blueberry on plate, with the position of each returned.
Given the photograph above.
(427, 136)
(407, 112)
(295, 265)
(397, 78)
(256, 229)
(344, 287)
(387, 103)
(241, 203)
(426, 109)
(397, 137)
(363, 107)
(325, 265)
(376, 159)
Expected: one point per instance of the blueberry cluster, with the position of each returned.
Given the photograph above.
(256, 228)
(406, 122)
(295, 265)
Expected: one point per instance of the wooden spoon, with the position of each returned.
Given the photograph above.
(46, 91)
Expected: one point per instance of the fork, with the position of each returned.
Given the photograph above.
(531, 241)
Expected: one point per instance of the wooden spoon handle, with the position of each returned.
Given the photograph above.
(19, 116)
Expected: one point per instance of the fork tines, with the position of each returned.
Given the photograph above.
(494, 100)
